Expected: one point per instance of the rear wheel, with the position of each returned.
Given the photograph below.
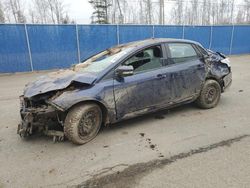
(82, 123)
(210, 95)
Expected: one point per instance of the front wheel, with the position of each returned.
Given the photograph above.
(210, 95)
(82, 123)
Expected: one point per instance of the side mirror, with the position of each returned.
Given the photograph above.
(123, 71)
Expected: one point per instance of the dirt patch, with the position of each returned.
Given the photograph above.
(130, 175)
(160, 155)
(152, 146)
(142, 134)
(51, 171)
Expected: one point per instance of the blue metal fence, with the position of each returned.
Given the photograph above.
(95, 38)
(42, 47)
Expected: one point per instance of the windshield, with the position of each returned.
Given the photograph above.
(101, 61)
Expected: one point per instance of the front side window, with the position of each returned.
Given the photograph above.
(181, 52)
(145, 60)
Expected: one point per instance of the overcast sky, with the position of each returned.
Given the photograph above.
(79, 10)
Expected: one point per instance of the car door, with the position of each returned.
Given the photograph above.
(137, 92)
(183, 74)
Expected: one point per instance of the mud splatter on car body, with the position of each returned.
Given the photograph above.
(46, 101)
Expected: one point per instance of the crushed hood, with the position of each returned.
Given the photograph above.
(56, 81)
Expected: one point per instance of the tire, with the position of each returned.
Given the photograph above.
(210, 95)
(82, 123)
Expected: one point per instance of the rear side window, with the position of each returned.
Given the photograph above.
(181, 52)
(203, 51)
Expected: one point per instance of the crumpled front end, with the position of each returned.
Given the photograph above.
(37, 116)
(38, 112)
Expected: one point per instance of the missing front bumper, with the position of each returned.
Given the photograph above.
(43, 119)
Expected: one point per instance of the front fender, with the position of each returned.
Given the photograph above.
(64, 103)
(68, 99)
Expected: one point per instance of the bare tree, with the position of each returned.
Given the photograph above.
(67, 20)
(191, 12)
(39, 11)
(240, 16)
(148, 5)
(49, 11)
(194, 11)
(2, 15)
(32, 16)
(16, 8)
(247, 11)
(142, 17)
(178, 12)
(57, 11)
(232, 11)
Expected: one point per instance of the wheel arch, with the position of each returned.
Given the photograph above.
(104, 109)
(219, 80)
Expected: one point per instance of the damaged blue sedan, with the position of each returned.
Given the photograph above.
(120, 83)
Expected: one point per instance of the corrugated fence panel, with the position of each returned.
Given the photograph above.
(14, 55)
(129, 33)
(241, 40)
(52, 46)
(168, 31)
(221, 39)
(95, 38)
(200, 34)
(56, 46)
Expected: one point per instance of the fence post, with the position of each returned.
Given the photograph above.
(28, 45)
(211, 37)
(231, 41)
(153, 31)
(78, 46)
(118, 34)
(183, 31)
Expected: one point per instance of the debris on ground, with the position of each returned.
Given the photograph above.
(142, 134)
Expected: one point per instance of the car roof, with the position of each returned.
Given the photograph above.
(151, 41)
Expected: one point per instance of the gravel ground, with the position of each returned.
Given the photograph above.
(227, 166)
(181, 147)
